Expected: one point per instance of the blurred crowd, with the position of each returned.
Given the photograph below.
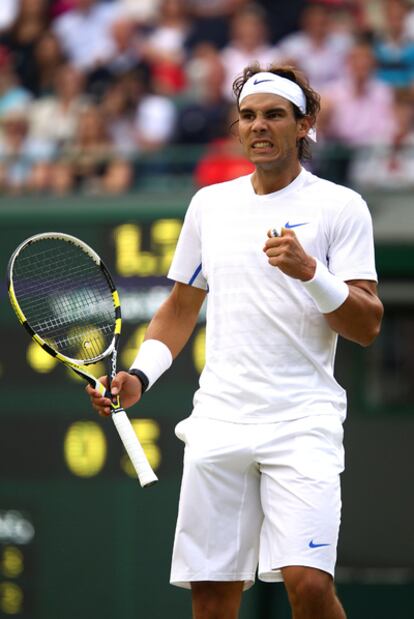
(98, 96)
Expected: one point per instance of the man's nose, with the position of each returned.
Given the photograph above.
(259, 124)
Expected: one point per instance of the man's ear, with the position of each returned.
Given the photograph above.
(303, 124)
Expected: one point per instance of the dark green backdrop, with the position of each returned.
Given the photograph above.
(80, 538)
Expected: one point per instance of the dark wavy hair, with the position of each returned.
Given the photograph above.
(294, 75)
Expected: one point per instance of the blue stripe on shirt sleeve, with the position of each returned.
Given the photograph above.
(194, 275)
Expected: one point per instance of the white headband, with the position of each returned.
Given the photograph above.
(270, 83)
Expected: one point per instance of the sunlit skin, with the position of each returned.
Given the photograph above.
(269, 132)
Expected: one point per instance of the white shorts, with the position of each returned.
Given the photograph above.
(263, 496)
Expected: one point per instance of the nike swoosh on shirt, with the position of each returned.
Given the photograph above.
(313, 545)
(288, 225)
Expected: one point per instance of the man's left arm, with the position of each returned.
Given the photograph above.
(351, 308)
(359, 318)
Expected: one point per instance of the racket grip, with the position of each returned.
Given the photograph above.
(134, 449)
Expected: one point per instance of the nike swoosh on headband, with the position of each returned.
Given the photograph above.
(261, 81)
(277, 85)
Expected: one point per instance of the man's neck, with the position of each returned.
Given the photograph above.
(270, 180)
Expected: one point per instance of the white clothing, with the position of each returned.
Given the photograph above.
(19, 165)
(167, 40)
(8, 12)
(353, 117)
(321, 64)
(155, 118)
(409, 25)
(266, 496)
(85, 36)
(143, 11)
(384, 167)
(269, 351)
(65, 119)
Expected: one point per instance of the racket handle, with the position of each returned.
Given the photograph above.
(134, 449)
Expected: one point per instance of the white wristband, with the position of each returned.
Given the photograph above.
(153, 358)
(327, 290)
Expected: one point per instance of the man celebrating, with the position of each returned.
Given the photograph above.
(287, 260)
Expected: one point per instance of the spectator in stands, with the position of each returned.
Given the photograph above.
(204, 112)
(150, 117)
(164, 49)
(211, 20)
(283, 17)
(127, 39)
(25, 163)
(368, 16)
(119, 109)
(344, 17)
(85, 33)
(126, 56)
(31, 22)
(49, 58)
(154, 116)
(318, 49)
(248, 43)
(357, 110)
(90, 164)
(12, 93)
(348, 103)
(393, 48)
(64, 106)
(143, 12)
(223, 159)
(371, 17)
(389, 166)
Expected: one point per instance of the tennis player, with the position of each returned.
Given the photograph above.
(287, 262)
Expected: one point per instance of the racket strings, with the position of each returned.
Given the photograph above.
(65, 298)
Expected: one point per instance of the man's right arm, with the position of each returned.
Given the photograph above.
(172, 324)
(176, 318)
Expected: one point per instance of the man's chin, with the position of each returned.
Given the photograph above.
(266, 163)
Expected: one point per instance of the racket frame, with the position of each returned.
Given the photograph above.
(147, 477)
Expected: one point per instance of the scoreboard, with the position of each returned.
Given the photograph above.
(78, 536)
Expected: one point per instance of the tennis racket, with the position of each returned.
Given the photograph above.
(65, 297)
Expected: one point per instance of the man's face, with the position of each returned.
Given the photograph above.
(269, 131)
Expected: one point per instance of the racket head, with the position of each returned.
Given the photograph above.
(64, 295)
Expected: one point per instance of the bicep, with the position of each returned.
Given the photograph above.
(186, 299)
